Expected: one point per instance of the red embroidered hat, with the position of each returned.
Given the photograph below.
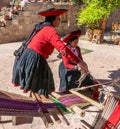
(52, 12)
(71, 35)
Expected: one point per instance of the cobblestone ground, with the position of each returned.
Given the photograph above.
(104, 65)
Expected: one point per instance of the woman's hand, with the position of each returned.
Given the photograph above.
(82, 66)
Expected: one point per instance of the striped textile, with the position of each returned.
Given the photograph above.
(17, 105)
(70, 100)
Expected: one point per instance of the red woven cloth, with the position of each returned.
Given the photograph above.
(114, 118)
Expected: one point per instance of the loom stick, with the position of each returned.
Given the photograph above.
(107, 112)
(110, 108)
(75, 108)
(98, 117)
(54, 115)
(56, 118)
(91, 101)
(47, 115)
(115, 95)
(63, 116)
(59, 110)
(101, 118)
(110, 105)
(45, 120)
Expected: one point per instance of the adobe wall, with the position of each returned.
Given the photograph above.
(4, 2)
(20, 27)
(114, 17)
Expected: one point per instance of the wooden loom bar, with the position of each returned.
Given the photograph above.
(50, 122)
(63, 116)
(54, 115)
(75, 108)
(61, 113)
(43, 116)
(47, 115)
(100, 106)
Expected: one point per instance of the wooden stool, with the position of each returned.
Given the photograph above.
(97, 36)
(89, 34)
(115, 30)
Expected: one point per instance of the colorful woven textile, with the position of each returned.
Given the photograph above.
(17, 105)
(114, 118)
(70, 100)
(110, 116)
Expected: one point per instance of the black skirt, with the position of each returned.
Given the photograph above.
(69, 78)
(32, 72)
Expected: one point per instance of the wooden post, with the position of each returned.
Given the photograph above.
(103, 26)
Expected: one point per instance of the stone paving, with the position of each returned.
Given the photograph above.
(104, 65)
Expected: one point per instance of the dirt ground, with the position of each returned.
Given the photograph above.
(104, 65)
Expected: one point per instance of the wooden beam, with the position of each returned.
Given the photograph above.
(91, 101)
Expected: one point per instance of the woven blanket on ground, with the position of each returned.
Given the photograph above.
(17, 105)
(71, 100)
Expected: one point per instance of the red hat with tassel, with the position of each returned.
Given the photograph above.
(72, 35)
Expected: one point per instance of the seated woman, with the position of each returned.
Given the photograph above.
(68, 71)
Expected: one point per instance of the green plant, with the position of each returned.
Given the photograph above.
(95, 11)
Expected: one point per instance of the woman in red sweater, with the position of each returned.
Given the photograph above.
(68, 72)
(31, 71)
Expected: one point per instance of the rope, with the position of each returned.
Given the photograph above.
(112, 82)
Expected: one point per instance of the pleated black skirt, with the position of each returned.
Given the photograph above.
(32, 72)
(69, 78)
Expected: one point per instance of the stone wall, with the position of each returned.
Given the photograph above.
(114, 17)
(20, 27)
(4, 2)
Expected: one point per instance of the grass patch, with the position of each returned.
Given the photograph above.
(83, 50)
